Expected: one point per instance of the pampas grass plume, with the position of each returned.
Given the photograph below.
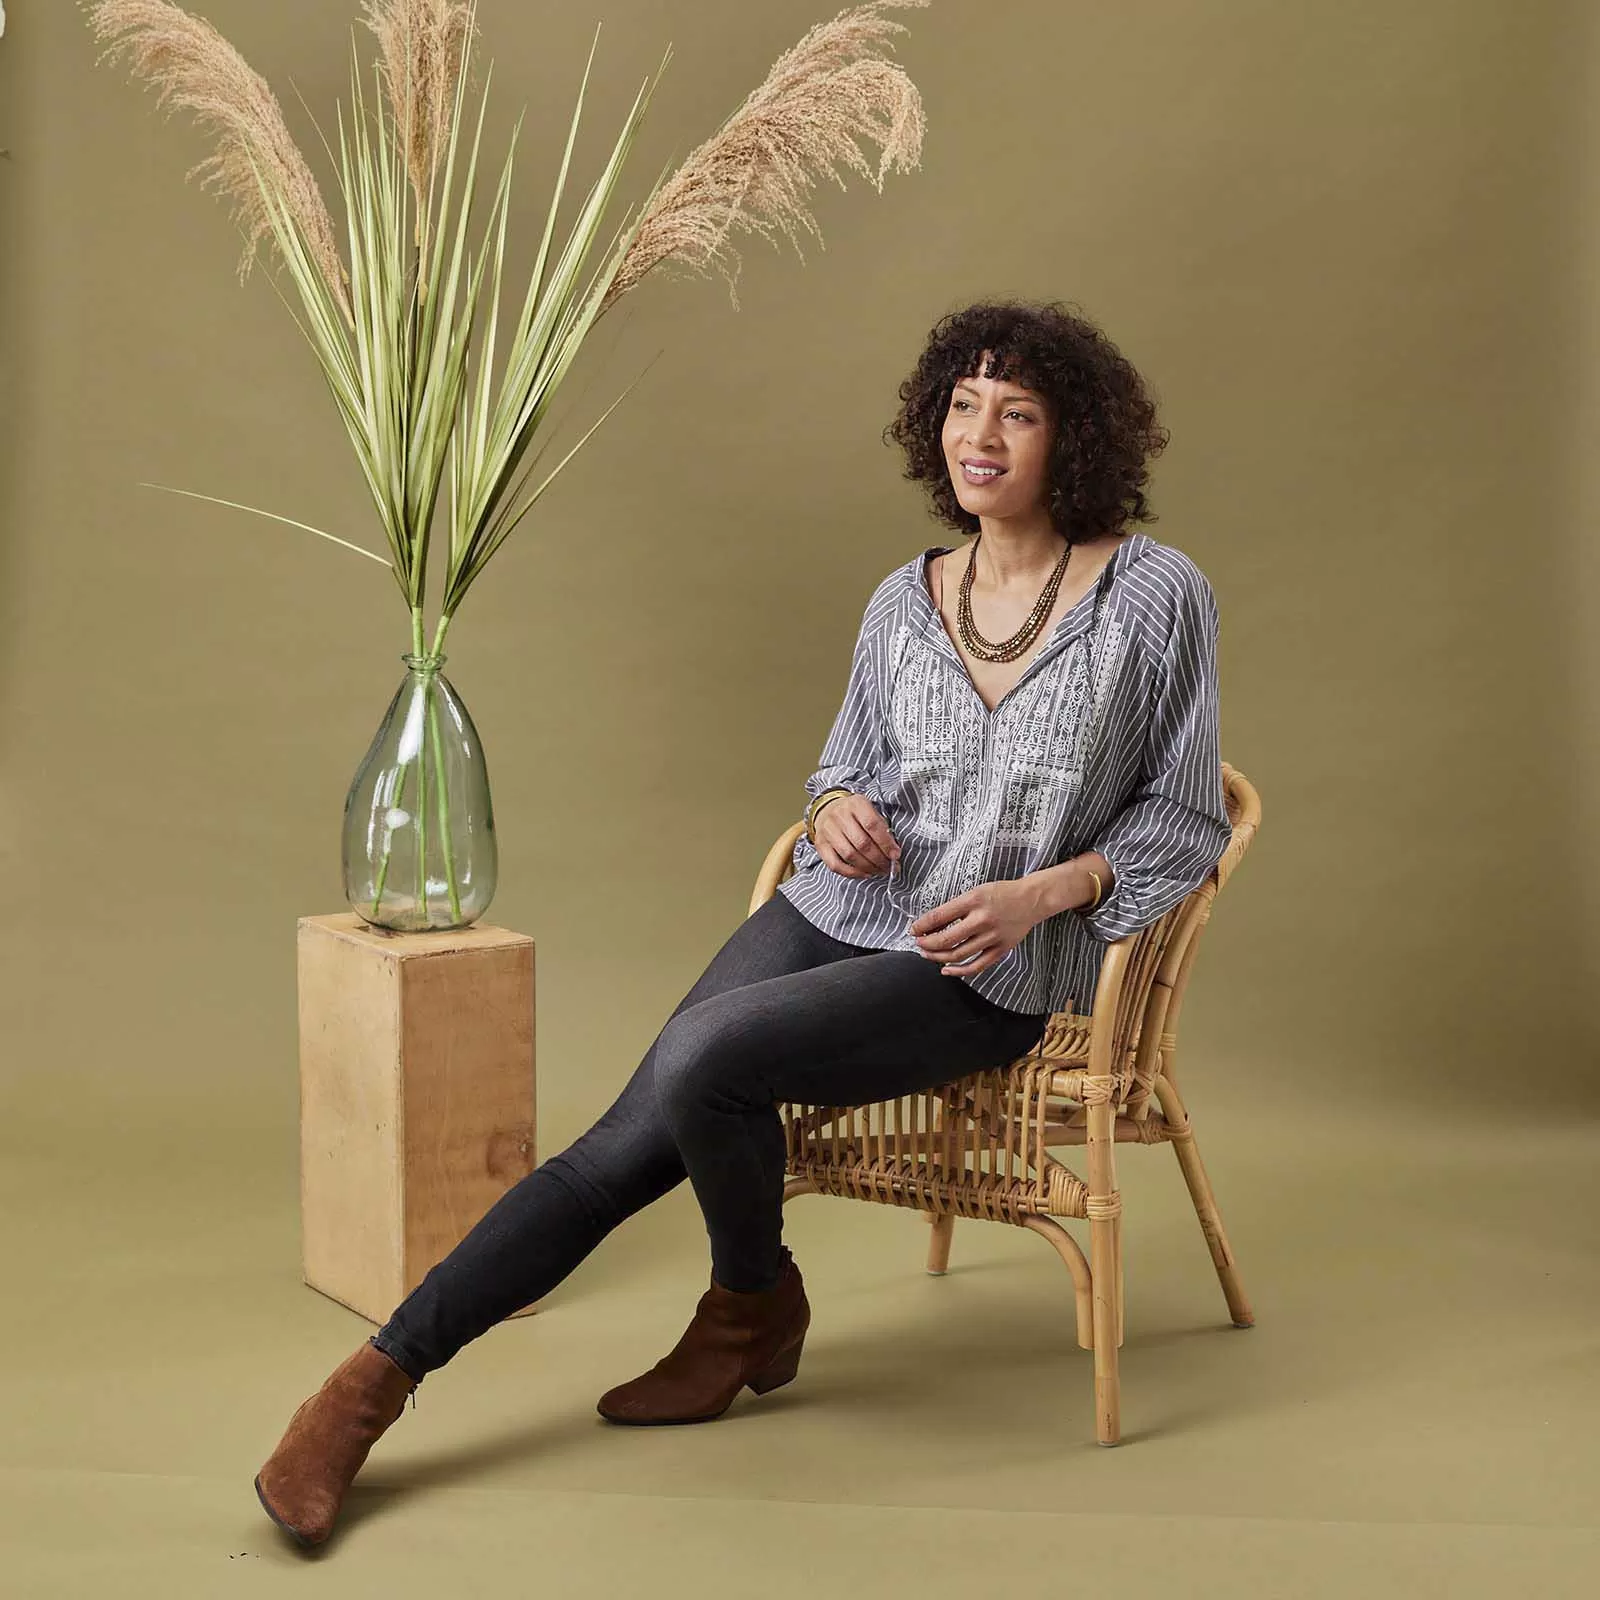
(194, 68)
(819, 97)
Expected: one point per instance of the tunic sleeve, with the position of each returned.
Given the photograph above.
(852, 753)
(1175, 826)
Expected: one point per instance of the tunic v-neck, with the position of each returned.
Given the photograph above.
(1073, 621)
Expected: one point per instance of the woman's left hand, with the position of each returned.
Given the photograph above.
(973, 931)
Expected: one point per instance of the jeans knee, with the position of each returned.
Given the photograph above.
(585, 1187)
(617, 1166)
(690, 1062)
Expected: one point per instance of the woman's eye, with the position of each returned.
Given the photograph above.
(956, 405)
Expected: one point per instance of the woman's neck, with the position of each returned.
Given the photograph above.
(1009, 558)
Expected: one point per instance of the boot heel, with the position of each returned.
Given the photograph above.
(781, 1371)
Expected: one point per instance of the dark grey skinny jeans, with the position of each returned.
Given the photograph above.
(783, 1012)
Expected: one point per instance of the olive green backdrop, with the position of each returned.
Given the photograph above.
(1347, 246)
(1354, 248)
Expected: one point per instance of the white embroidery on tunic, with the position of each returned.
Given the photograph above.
(1038, 741)
(1044, 756)
(937, 725)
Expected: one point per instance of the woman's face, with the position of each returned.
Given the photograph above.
(1002, 424)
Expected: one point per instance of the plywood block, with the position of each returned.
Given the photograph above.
(416, 1097)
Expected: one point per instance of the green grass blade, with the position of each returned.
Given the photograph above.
(216, 500)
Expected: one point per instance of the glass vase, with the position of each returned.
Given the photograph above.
(419, 847)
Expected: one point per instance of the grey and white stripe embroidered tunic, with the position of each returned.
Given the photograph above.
(1108, 741)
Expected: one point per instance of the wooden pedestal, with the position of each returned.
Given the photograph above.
(416, 1097)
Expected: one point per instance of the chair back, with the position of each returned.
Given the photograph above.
(1143, 976)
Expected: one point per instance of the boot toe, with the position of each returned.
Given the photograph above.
(616, 1408)
(307, 1526)
(635, 1414)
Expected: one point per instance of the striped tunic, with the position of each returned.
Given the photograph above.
(1108, 741)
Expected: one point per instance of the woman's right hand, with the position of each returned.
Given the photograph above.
(853, 839)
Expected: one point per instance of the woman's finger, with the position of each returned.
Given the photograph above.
(842, 854)
(868, 851)
(856, 844)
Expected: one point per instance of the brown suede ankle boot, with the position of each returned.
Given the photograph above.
(304, 1480)
(735, 1340)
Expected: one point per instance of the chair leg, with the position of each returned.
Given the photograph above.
(1107, 1378)
(1103, 1269)
(1071, 1253)
(944, 1227)
(1116, 1241)
(1205, 1202)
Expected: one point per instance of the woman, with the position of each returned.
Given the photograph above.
(1025, 767)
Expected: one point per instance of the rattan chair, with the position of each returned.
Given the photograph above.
(978, 1147)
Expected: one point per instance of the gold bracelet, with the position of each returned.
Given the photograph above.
(816, 806)
(1096, 901)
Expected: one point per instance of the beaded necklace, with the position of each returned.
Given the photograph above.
(1007, 649)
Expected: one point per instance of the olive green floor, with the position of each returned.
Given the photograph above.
(1413, 1413)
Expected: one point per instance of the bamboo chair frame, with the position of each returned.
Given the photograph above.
(978, 1146)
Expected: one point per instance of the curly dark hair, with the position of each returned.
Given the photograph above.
(1105, 419)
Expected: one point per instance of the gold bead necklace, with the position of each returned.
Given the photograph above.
(1007, 649)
